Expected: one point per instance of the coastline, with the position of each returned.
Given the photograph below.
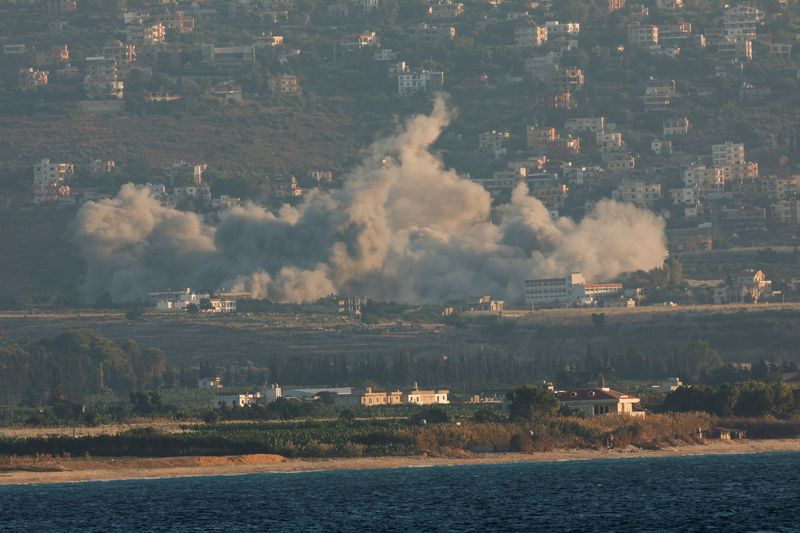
(115, 469)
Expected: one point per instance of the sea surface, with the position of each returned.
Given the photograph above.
(759, 492)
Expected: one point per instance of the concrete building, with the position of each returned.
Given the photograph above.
(493, 142)
(658, 95)
(638, 192)
(285, 84)
(46, 173)
(644, 35)
(537, 137)
(748, 286)
(585, 124)
(122, 53)
(209, 383)
(530, 36)
(414, 396)
(675, 126)
(568, 290)
(600, 401)
(31, 78)
(240, 400)
(145, 34)
(413, 81)
(445, 10)
(229, 56)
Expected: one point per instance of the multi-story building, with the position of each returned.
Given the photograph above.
(540, 137)
(530, 36)
(122, 53)
(229, 56)
(588, 124)
(445, 10)
(658, 94)
(31, 78)
(704, 179)
(644, 35)
(618, 162)
(413, 81)
(675, 126)
(101, 81)
(740, 22)
(431, 33)
(730, 49)
(727, 154)
(47, 174)
(570, 78)
(285, 84)
(101, 167)
(569, 290)
(786, 211)
(638, 192)
(493, 142)
(560, 99)
(677, 34)
(368, 397)
(145, 34)
(612, 5)
(609, 141)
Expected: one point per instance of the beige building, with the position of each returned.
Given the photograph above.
(600, 401)
(369, 398)
(644, 35)
(285, 84)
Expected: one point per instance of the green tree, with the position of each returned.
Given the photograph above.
(528, 403)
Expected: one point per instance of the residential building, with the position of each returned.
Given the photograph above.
(335, 304)
(638, 192)
(780, 50)
(560, 99)
(194, 192)
(145, 34)
(609, 141)
(476, 304)
(644, 35)
(570, 78)
(658, 94)
(540, 137)
(600, 401)
(101, 167)
(359, 41)
(740, 22)
(618, 162)
(445, 10)
(786, 211)
(590, 124)
(225, 203)
(368, 397)
(730, 49)
(229, 56)
(612, 5)
(659, 147)
(428, 33)
(240, 400)
(174, 300)
(493, 142)
(556, 29)
(47, 174)
(30, 78)
(268, 40)
(704, 179)
(530, 36)
(209, 383)
(285, 84)
(675, 126)
(416, 396)
(217, 305)
(177, 21)
(678, 34)
(122, 53)
(747, 286)
(669, 5)
(413, 81)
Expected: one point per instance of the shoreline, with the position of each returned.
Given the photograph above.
(116, 469)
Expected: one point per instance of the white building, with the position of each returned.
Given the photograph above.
(493, 142)
(571, 289)
(600, 401)
(46, 173)
(244, 399)
(209, 383)
(414, 81)
(675, 126)
(271, 393)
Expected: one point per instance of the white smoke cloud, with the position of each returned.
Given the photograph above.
(407, 230)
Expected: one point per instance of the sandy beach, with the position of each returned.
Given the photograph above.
(27, 471)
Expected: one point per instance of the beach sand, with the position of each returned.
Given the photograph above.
(32, 470)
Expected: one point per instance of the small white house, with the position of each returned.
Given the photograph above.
(600, 401)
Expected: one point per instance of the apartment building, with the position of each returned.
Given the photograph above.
(493, 142)
(285, 84)
(638, 192)
(658, 95)
(585, 124)
(146, 34)
(540, 137)
(122, 53)
(31, 78)
(46, 173)
(644, 35)
(530, 36)
(675, 126)
(445, 10)
(413, 81)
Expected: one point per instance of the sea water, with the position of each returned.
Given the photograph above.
(759, 492)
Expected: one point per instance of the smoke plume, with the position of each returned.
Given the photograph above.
(402, 228)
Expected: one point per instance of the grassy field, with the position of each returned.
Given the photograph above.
(739, 332)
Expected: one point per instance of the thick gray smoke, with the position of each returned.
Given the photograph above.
(407, 230)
